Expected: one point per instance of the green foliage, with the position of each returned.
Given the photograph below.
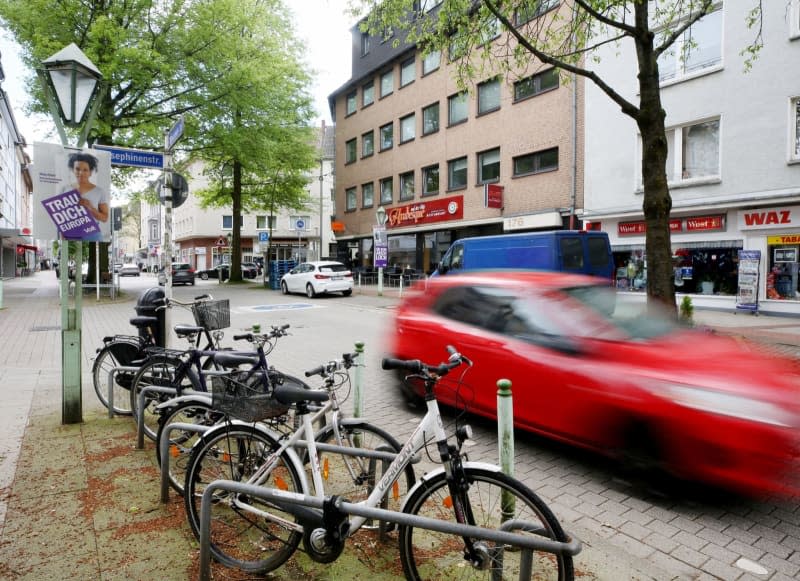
(686, 309)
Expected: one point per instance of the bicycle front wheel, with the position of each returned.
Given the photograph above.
(158, 372)
(115, 354)
(491, 499)
(181, 441)
(239, 536)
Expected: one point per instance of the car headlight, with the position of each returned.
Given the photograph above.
(726, 404)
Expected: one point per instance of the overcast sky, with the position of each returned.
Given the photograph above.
(322, 24)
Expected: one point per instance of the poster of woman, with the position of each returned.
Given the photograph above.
(71, 193)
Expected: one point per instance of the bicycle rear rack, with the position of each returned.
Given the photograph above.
(505, 537)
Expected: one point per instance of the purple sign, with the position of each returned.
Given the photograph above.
(73, 221)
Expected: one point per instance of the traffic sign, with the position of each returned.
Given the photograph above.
(300, 224)
(175, 133)
(263, 236)
(133, 157)
(180, 189)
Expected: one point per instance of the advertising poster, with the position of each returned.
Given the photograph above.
(71, 193)
(747, 294)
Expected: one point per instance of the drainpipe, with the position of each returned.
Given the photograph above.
(574, 194)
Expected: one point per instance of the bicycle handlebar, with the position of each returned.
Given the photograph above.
(274, 333)
(418, 367)
(164, 302)
(346, 362)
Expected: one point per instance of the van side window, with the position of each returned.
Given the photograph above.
(598, 251)
(571, 252)
(457, 260)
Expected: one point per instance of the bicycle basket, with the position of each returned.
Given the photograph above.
(245, 398)
(213, 315)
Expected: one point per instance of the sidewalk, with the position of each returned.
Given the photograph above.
(80, 501)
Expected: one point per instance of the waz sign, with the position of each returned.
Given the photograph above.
(769, 218)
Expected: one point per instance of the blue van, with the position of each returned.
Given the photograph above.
(576, 251)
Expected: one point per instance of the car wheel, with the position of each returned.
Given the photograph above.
(284, 288)
(204, 276)
(310, 291)
(347, 293)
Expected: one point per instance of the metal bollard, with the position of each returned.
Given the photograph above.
(358, 401)
(505, 441)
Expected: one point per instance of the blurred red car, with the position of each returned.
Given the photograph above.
(605, 372)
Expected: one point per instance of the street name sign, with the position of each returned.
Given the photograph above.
(133, 157)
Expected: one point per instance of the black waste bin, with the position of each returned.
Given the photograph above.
(146, 307)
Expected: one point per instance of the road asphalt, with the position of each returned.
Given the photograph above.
(80, 501)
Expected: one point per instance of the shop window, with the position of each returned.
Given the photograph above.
(699, 48)
(782, 276)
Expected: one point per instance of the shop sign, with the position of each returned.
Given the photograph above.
(640, 227)
(783, 239)
(705, 223)
(769, 218)
(426, 212)
(493, 195)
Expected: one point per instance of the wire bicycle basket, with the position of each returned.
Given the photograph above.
(213, 315)
(245, 398)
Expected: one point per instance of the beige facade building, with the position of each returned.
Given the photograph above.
(503, 156)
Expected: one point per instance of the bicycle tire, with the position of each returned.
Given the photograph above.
(114, 354)
(181, 442)
(338, 469)
(158, 371)
(238, 538)
(426, 554)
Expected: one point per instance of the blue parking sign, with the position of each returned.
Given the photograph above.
(263, 236)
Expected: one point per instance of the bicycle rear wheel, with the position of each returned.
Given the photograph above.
(112, 355)
(493, 498)
(238, 537)
(158, 372)
(182, 441)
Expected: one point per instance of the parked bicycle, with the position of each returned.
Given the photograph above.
(257, 526)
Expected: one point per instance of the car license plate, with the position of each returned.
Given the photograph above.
(336, 278)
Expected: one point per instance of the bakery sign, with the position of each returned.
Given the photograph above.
(692, 224)
(762, 218)
(426, 212)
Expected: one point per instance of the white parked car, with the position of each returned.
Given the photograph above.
(313, 278)
(129, 270)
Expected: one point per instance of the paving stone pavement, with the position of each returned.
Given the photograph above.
(80, 500)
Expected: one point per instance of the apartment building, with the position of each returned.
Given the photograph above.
(18, 252)
(734, 161)
(201, 236)
(445, 163)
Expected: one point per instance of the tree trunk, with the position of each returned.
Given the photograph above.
(236, 198)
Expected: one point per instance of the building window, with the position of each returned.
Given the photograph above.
(431, 61)
(408, 128)
(692, 152)
(350, 151)
(407, 72)
(351, 103)
(367, 144)
(489, 166)
(407, 186)
(387, 83)
(794, 20)
(350, 199)
(430, 119)
(536, 84)
(489, 30)
(430, 180)
(457, 173)
(531, 9)
(364, 43)
(387, 136)
(796, 128)
(367, 195)
(457, 108)
(227, 222)
(265, 222)
(387, 191)
(488, 96)
(699, 48)
(537, 162)
(367, 94)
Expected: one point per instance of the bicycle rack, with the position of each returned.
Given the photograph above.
(573, 547)
(163, 444)
(111, 374)
(140, 409)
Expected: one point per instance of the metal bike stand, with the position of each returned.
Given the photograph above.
(140, 409)
(573, 547)
(163, 445)
(111, 374)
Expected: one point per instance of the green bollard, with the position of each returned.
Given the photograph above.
(358, 401)
(505, 441)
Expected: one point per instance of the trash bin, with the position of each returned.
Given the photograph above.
(146, 307)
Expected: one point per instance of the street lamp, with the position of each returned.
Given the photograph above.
(379, 241)
(71, 83)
